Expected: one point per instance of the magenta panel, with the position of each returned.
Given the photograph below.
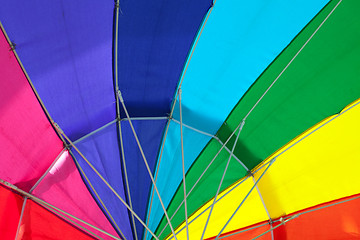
(64, 188)
(28, 142)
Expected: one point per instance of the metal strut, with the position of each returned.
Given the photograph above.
(103, 179)
(145, 161)
(46, 204)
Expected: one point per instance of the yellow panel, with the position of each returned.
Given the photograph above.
(251, 212)
(322, 167)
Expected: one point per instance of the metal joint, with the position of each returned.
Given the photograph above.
(271, 222)
(67, 146)
(250, 173)
(8, 184)
(272, 160)
(242, 123)
(12, 46)
(120, 97)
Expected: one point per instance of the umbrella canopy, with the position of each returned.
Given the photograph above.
(180, 120)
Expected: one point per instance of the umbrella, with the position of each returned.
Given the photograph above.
(178, 120)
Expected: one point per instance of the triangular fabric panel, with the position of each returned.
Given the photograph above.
(102, 151)
(149, 133)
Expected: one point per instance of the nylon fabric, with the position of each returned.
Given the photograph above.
(28, 142)
(340, 221)
(232, 52)
(223, 209)
(297, 102)
(202, 191)
(154, 40)
(223, 56)
(102, 151)
(166, 182)
(248, 233)
(71, 68)
(10, 205)
(300, 177)
(333, 220)
(150, 134)
(70, 65)
(64, 188)
(39, 223)
(311, 165)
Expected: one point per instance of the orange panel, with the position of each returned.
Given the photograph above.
(341, 221)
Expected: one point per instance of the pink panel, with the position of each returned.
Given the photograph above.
(28, 142)
(64, 188)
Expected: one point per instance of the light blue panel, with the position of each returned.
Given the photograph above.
(170, 170)
(240, 39)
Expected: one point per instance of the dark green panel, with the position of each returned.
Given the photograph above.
(320, 82)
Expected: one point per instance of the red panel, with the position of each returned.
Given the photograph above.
(10, 209)
(39, 223)
(28, 142)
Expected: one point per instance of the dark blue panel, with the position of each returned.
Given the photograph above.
(101, 149)
(149, 133)
(66, 48)
(154, 40)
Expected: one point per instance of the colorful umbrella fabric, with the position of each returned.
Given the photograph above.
(180, 119)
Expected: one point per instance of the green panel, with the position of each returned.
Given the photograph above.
(320, 82)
